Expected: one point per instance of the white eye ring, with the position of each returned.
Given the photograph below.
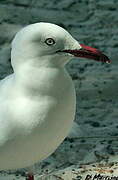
(50, 41)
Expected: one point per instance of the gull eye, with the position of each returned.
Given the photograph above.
(50, 41)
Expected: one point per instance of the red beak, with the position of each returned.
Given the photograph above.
(89, 53)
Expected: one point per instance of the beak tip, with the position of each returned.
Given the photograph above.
(108, 62)
(96, 54)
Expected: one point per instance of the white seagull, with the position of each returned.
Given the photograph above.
(37, 101)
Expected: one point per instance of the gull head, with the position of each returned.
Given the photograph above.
(46, 44)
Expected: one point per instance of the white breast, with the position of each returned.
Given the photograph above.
(37, 121)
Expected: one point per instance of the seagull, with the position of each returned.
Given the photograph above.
(38, 101)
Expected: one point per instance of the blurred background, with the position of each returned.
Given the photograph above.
(94, 136)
